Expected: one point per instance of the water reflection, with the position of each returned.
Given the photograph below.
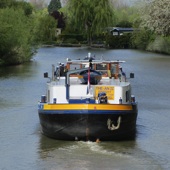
(23, 70)
(15, 83)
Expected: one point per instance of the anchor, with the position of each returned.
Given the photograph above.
(111, 126)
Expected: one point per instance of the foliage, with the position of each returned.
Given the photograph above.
(16, 41)
(6, 3)
(45, 27)
(124, 23)
(27, 7)
(156, 16)
(142, 38)
(154, 26)
(54, 5)
(160, 44)
(38, 4)
(125, 14)
(77, 37)
(71, 41)
(59, 16)
(120, 41)
(90, 17)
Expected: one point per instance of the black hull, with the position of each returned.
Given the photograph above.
(88, 126)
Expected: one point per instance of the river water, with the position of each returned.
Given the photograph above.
(23, 147)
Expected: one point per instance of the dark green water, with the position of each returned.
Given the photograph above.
(23, 147)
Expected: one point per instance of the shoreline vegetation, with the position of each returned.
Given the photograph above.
(159, 45)
(27, 26)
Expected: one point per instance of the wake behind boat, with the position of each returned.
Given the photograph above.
(88, 99)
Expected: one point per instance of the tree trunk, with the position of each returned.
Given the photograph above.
(89, 36)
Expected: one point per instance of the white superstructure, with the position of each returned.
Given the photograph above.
(113, 82)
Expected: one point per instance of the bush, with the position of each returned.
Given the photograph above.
(141, 39)
(72, 37)
(16, 40)
(119, 41)
(71, 41)
(160, 45)
(45, 29)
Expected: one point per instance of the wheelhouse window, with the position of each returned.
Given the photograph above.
(101, 67)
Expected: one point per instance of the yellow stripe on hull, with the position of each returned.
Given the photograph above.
(87, 107)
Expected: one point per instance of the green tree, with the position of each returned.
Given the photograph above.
(27, 7)
(16, 40)
(54, 5)
(38, 4)
(126, 15)
(141, 39)
(45, 27)
(90, 17)
(156, 16)
(6, 3)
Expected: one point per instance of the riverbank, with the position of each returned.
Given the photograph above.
(155, 46)
(158, 46)
(74, 45)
